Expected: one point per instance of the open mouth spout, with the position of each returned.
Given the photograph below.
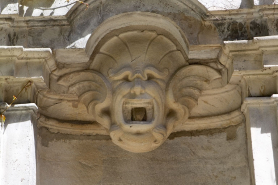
(138, 111)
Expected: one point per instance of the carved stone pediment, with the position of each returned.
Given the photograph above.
(139, 84)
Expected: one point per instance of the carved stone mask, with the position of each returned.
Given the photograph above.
(139, 86)
(138, 66)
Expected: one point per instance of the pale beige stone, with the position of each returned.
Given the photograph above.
(140, 85)
(152, 77)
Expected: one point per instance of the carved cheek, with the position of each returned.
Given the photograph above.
(155, 90)
(121, 88)
(158, 94)
(119, 93)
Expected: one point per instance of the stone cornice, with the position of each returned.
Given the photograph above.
(253, 54)
(20, 107)
(15, 57)
(16, 60)
(15, 21)
(259, 101)
(55, 64)
(263, 11)
(220, 121)
(87, 128)
(62, 61)
(71, 127)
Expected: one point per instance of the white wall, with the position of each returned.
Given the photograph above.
(17, 157)
(262, 136)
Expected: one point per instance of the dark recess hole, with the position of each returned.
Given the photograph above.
(138, 114)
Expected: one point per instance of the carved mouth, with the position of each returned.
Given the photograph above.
(138, 111)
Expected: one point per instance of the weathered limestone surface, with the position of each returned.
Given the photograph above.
(262, 137)
(57, 34)
(194, 158)
(140, 85)
(139, 92)
(35, 7)
(18, 146)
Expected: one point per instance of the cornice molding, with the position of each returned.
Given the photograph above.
(76, 93)
(16, 21)
(262, 11)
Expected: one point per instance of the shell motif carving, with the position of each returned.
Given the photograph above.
(139, 86)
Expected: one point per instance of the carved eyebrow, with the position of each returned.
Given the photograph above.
(155, 72)
(127, 71)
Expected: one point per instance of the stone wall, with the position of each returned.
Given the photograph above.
(206, 70)
(212, 157)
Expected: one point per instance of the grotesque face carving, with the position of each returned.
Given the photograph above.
(138, 66)
(138, 108)
(138, 84)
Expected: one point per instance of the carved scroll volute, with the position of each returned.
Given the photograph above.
(93, 90)
(184, 90)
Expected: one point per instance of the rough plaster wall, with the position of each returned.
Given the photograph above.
(36, 37)
(47, 37)
(230, 30)
(85, 22)
(189, 20)
(191, 158)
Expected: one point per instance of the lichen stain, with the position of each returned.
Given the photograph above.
(231, 133)
(13, 38)
(234, 30)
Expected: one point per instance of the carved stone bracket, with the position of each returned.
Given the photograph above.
(140, 86)
(137, 81)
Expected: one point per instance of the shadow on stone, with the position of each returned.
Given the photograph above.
(246, 4)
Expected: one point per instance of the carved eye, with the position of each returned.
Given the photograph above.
(123, 79)
(153, 73)
(122, 75)
(155, 77)
(126, 78)
(150, 77)
(160, 82)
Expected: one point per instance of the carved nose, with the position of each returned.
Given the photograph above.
(137, 88)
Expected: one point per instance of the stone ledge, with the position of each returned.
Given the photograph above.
(93, 128)
(221, 121)
(263, 11)
(253, 54)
